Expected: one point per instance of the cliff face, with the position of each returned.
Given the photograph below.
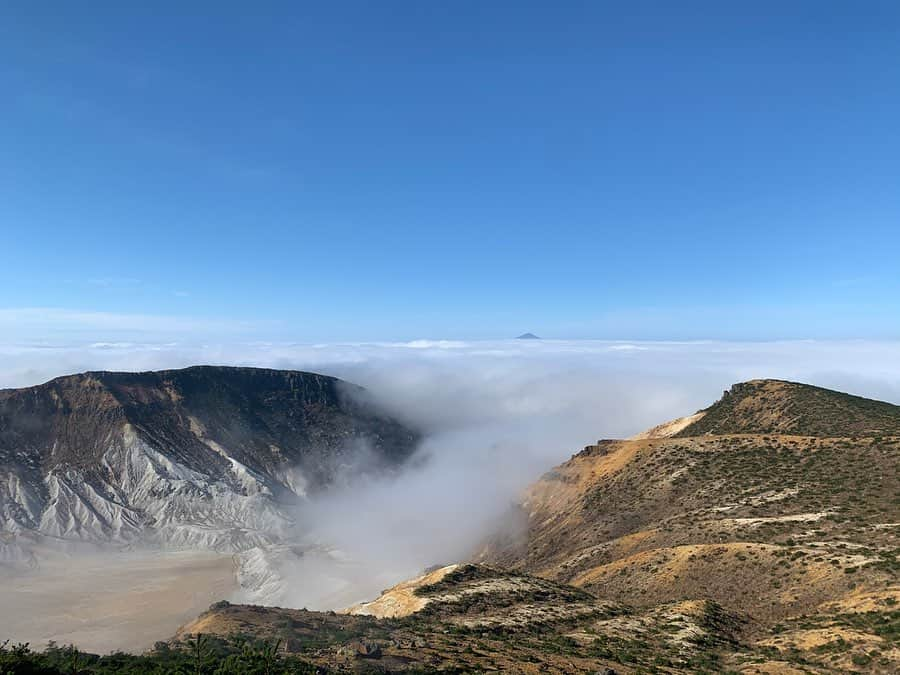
(202, 456)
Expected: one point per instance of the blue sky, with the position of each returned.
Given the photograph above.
(394, 170)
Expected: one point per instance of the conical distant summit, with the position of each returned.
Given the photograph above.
(528, 336)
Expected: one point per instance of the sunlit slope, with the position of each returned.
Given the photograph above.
(775, 527)
(780, 407)
(474, 618)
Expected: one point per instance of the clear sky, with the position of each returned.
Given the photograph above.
(395, 170)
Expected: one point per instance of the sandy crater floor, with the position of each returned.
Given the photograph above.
(115, 601)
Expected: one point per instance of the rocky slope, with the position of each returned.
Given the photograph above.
(201, 457)
(779, 503)
(474, 618)
(757, 536)
(780, 407)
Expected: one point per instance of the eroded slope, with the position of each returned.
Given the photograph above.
(781, 530)
(193, 457)
(481, 619)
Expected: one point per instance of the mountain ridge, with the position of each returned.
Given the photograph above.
(780, 406)
(777, 503)
(193, 455)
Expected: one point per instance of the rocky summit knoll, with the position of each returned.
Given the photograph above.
(200, 457)
(780, 407)
(780, 503)
(759, 535)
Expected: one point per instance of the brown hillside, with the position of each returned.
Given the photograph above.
(722, 552)
(475, 619)
(782, 530)
(779, 407)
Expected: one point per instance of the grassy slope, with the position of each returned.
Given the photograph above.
(483, 619)
(776, 406)
(782, 530)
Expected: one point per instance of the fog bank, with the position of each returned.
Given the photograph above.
(496, 415)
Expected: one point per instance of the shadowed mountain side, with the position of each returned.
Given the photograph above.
(186, 455)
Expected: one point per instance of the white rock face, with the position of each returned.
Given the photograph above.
(204, 458)
(20, 503)
(144, 498)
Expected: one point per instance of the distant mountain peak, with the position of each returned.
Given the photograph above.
(528, 336)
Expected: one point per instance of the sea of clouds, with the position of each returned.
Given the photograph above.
(497, 415)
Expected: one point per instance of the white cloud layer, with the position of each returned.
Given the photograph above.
(498, 414)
